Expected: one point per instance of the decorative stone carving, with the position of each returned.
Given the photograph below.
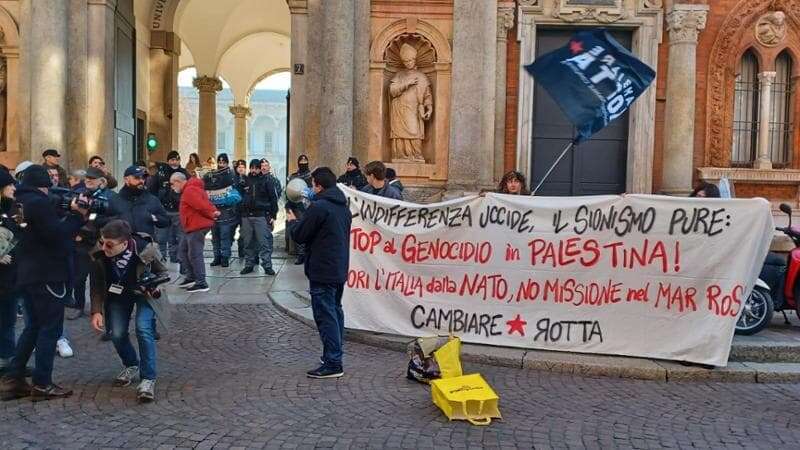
(771, 28)
(207, 84)
(528, 3)
(685, 25)
(721, 69)
(505, 21)
(651, 4)
(411, 99)
(607, 11)
(240, 111)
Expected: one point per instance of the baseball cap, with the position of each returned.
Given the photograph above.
(51, 152)
(135, 171)
(94, 173)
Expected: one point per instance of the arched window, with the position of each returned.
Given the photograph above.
(745, 111)
(780, 123)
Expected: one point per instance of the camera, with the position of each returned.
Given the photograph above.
(149, 282)
(63, 197)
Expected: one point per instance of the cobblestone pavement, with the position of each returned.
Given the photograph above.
(233, 376)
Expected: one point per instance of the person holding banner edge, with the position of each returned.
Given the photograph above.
(325, 231)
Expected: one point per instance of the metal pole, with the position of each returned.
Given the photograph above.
(550, 170)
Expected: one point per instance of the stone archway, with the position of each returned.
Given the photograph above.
(9, 92)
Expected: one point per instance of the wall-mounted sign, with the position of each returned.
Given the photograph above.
(299, 69)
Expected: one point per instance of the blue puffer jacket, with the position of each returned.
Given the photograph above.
(325, 229)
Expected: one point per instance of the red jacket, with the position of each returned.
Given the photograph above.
(196, 211)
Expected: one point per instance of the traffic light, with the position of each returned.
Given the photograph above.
(152, 142)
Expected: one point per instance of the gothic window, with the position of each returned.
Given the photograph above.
(780, 123)
(745, 111)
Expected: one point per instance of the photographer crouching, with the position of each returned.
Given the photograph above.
(44, 277)
(125, 273)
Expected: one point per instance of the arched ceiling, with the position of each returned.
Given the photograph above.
(264, 53)
(242, 40)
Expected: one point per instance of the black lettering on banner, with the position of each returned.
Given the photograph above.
(397, 215)
(582, 331)
(456, 321)
(703, 221)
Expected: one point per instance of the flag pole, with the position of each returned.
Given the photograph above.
(550, 170)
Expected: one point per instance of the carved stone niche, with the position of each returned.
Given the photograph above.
(434, 60)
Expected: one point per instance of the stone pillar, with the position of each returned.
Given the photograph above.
(336, 119)
(207, 116)
(684, 23)
(47, 64)
(163, 118)
(240, 114)
(765, 80)
(505, 21)
(297, 113)
(100, 115)
(361, 97)
(472, 120)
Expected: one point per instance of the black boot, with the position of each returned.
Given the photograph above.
(217, 261)
(226, 262)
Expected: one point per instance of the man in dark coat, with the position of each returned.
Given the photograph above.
(298, 208)
(170, 236)
(51, 159)
(353, 176)
(135, 205)
(46, 281)
(325, 230)
(377, 183)
(258, 210)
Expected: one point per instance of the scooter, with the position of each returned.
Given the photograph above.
(777, 287)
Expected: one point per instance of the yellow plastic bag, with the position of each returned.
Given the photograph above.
(468, 397)
(448, 357)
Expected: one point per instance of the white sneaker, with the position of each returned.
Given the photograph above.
(63, 348)
(147, 390)
(126, 377)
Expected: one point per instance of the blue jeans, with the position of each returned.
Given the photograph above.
(170, 237)
(119, 316)
(222, 238)
(8, 318)
(44, 306)
(326, 304)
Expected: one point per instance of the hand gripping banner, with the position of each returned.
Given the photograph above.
(636, 275)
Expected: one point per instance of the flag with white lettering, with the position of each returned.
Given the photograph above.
(593, 79)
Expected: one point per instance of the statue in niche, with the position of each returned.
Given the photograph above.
(411, 107)
(771, 28)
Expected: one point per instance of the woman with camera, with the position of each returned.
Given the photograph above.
(118, 269)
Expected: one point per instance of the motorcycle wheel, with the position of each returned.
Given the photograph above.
(756, 312)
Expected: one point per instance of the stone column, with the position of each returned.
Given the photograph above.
(48, 74)
(336, 119)
(684, 23)
(505, 21)
(207, 116)
(472, 120)
(361, 79)
(765, 80)
(297, 113)
(100, 115)
(240, 115)
(163, 118)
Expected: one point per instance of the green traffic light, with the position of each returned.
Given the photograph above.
(152, 142)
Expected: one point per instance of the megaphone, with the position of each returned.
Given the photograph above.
(296, 190)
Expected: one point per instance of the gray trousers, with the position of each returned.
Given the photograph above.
(191, 254)
(257, 241)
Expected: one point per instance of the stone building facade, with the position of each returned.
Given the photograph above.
(435, 88)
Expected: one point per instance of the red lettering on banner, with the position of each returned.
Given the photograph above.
(724, 305)
(413, 251)
(363, 241)
(589, 252)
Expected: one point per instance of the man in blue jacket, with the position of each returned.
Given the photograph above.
(141, 209)
(325, 230)
(45, 278)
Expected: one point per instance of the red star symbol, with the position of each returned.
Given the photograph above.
(516, 325)
(575, 47)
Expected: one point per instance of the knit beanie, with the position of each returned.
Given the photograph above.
(36, 176)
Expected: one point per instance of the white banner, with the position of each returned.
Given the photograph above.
(636, 275)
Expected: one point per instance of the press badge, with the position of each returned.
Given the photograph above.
(116, 289)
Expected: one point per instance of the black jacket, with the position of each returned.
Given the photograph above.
(137, 207)
(47, 242)
(325, 229)
(160, 187)
(388, 191)
(258, 196)
(353, 178)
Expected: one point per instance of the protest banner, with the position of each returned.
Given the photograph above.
(636, 275)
